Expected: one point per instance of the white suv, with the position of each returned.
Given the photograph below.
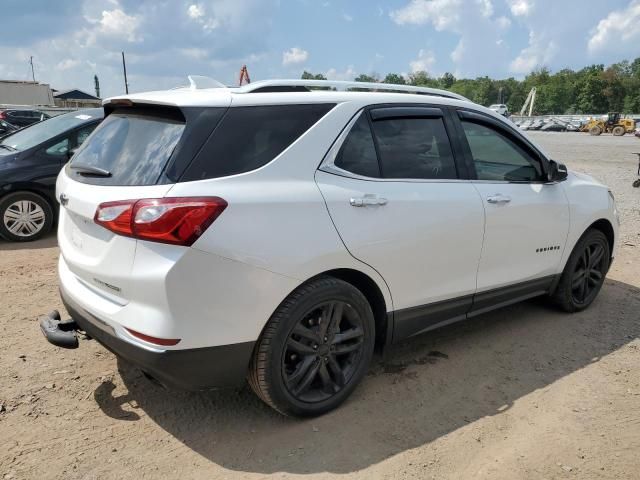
(278, 232)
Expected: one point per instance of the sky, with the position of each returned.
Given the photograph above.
(166, 40)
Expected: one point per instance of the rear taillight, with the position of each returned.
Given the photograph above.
(3, 116)
(179, 221)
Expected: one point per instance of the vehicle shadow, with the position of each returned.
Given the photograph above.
(422, 389)
(49, 240)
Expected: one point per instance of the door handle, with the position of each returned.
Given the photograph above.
(498, 198)
(368, 200)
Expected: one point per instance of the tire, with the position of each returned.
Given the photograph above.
(591, 255)
(34, 208)
(618, 131)
(296, 368)
(595, 131)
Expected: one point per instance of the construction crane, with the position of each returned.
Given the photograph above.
(244, 76)
(531, 99)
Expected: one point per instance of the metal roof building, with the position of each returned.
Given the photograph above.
(18, 92)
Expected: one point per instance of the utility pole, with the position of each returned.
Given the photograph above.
(124, 68)
(97, 85)
(33, 75)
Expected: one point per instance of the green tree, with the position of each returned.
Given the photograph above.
(367, 78)
(422, 79)
(395, 79)
(310, 76)
(447, 80)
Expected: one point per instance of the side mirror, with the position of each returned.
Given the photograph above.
(557, 171)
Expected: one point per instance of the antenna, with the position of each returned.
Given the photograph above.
(33, 75)
(96, 82)
(124, 68)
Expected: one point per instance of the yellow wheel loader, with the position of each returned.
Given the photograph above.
(614, 124)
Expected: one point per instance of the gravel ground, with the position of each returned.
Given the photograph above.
(524, 392)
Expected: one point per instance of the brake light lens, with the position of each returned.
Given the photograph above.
(3, 115)
(178, 221)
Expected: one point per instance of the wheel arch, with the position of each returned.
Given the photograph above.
(374, 296)
(33, 188)
(605, 227)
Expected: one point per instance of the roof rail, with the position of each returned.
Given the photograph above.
(288, 85)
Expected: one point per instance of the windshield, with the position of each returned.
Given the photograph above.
(39, 132)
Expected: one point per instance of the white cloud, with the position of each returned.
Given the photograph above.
(486, 7)
(479, 50)
(424, 62)
(443, 14)
(539, 53)
(348, 74)
(116, 23)
(67, 64)
(195, 11)
(198, 13)
(347, 17)
(503, 22)
(521, 8)
(618, 29)
(294, 56)
(558, 36)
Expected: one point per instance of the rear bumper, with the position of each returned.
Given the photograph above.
(190, 369)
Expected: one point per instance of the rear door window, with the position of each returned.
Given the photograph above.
(416, 148)
(249, 137)
(59, 149)
(133, 146)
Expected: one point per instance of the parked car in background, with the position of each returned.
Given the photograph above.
(500, 109)
(30, 160)
(6, 128)
(22, 117)
(346, 218)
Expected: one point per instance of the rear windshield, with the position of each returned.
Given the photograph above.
(132, 146)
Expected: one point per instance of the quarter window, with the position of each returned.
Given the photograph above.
(358, 152)
(496, 157)
(249, 137)
(414, 148)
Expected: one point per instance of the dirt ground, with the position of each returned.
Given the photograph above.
(524, 392)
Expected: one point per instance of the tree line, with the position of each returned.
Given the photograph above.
(591, 90)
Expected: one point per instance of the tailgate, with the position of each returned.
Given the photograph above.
(100, 259)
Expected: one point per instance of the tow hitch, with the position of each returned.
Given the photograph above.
(59, 333)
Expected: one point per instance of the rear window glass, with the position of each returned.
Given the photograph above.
(250, 137)
(358, 153)
(133, 147)
(414, 148)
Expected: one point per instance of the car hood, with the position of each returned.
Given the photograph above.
(584, 178)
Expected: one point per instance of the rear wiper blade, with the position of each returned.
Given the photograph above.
(8, 147)
(90, 170)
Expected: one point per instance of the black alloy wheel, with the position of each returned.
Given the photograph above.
(315, 348)
(589, 272)
(322, 351)
(584, 273)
